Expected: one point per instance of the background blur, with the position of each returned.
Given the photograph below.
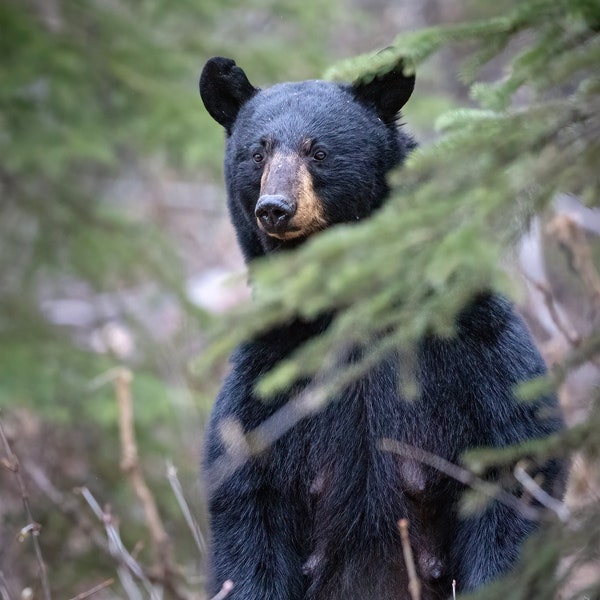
(116, 251)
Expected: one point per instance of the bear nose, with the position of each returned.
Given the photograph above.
(274, 212)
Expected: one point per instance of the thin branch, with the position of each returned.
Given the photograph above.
(65, 503)
(224, 591)
(94, 590)
(545, 499)
(113, 547)
(127, 564)
(414, 585)
(130, 462)
(130, 466)
(11, 462)
(570, 235)
(461, 475)
(185, 509)
(567, 331)
(240, 447)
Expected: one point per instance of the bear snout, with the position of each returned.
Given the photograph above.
(274, 213)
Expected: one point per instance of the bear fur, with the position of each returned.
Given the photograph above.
(315, 515)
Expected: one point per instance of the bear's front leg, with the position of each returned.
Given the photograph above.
(488, 545)
(255, 539)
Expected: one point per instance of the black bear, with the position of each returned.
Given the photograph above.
(315, 515)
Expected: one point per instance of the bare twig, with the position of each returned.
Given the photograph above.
(567, 330)
(167, 570)
(94, 590)
(545, 499)
(240, 447)
(122, 378)
(224, 591)
(568, 232)
(491, 490)
(185, 509)
(130, 464)
(113, 547)
(65, 503)
(575, 340)
(127, 564)
(414, 585)
(572, 238)
(11, 462)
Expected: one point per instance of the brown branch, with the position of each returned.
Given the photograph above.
(573, 338)
(241, 447)
(567, 331)
(32, 529)
(573, 239)
(414, 585)
(131, 467)
(94, 590)
(130, 463)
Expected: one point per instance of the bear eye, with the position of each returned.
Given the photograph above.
(257, 157)
(320, 155)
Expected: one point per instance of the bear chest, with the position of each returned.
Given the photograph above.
(340, 458)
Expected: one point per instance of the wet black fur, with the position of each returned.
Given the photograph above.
(315, 516)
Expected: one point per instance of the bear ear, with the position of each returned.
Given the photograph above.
(387, 93)
(224, 88)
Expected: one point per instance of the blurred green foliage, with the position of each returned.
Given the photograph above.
(89, 93)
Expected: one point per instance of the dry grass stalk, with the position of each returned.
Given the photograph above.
(32, 529)
(94, 590)
(414, 585)
(130, 465)
(185, 509)
(127, 565)
(116, 546)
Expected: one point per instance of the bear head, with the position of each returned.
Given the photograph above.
(303, 156)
